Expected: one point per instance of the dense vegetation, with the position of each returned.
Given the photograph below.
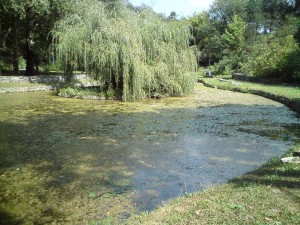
(25, 27)
(254, 37)
(139, 52)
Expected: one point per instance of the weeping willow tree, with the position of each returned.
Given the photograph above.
(139, 53)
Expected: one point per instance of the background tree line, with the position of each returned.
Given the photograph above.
(25, 32)
(256, 37)
(25, 28)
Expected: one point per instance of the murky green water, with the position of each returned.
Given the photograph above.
(69, 161)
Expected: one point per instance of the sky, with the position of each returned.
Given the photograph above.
(182, 8)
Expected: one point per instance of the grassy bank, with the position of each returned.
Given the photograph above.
(285, 94)
(269, 195)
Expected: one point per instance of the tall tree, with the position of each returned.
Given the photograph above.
(224, 10)
(28, 23)
(136, 53)
(207, 37)
(234, 39)
(10, 19)
(275, 12)
(34, 11)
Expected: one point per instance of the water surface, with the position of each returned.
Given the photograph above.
(71, 161)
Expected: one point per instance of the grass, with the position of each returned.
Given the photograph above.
(269, 195)
(288, 91)
(286, 94)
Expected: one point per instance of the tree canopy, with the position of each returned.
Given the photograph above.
(250, 36)
(138, 53)
(25, 26)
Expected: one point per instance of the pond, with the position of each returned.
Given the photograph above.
(71, 161)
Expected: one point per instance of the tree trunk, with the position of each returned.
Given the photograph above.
(29, 58)
(3, 43)
(29, 46)
(69, 72)
(15, 47)
(2, 47)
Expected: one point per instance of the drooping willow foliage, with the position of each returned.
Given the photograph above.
(139, 53)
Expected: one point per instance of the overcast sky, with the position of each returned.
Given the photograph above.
(181, 7)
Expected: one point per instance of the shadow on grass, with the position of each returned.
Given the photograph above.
(275, 174)
(6, 219)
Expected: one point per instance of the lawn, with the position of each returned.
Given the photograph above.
(285, 93)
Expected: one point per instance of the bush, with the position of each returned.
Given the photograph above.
(270, 57)
(275, 55)
(51, 67)
(292, 66)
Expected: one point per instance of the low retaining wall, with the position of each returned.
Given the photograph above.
(241, 77)
(27, 89)
(39, 79)
(47, 82)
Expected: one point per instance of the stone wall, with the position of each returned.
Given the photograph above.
(47, 82)
(241, 77)
(26, 89)
(38, 79)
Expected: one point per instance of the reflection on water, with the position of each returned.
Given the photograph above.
(76, 161)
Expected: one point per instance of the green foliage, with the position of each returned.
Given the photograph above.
(50, 67)
(292, 66)
(234, 41)
(254, 11)
(20, 8)
(25, 27)
(275, 55)
(221, 68)
(269, 57)
(225, 10)
(297, 35)
(275, 12)
(139, 53)
(89, 92)
(238, 35)
(234, 34)
(207, 38)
